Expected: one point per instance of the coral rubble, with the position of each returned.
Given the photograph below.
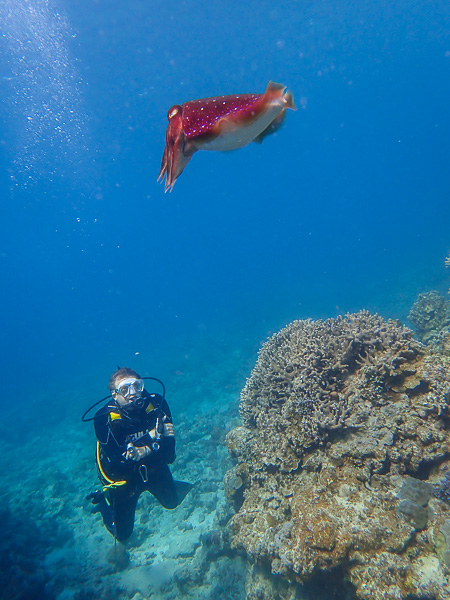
(345, 428)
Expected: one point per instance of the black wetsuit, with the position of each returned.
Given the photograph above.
(125, 480)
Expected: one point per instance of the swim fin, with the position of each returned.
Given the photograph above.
(183, 488)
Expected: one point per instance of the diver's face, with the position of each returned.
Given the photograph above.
(128, 390)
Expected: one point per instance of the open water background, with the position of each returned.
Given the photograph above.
(346, 207)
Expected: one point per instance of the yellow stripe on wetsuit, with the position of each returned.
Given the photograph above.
(111, 483)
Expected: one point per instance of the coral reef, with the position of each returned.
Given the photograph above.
(430, 316)
(345, 426)
(442, 490)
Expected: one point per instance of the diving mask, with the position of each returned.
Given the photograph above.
(130, 387)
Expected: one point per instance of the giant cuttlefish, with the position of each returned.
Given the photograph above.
(220, 123)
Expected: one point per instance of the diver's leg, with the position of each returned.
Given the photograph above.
(167, 491)
(104, 503)
(124, 508)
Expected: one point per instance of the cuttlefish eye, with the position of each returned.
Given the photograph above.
(175, 110)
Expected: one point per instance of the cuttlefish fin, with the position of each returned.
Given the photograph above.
(274, 126)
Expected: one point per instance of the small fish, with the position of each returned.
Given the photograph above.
(220, 123)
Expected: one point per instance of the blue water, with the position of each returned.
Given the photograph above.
(346, 207)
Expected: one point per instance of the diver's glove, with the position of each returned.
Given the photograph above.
(137, 453)
(168, 430)
(162, 429)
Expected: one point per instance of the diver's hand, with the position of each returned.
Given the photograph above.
(168, 430)
(136, 453)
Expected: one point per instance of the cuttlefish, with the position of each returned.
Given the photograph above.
(220, 123)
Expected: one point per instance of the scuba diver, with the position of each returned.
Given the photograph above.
(135, 444)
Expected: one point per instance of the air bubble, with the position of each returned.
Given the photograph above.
(44, 86)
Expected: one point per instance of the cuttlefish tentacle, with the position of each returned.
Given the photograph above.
(177, 152)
